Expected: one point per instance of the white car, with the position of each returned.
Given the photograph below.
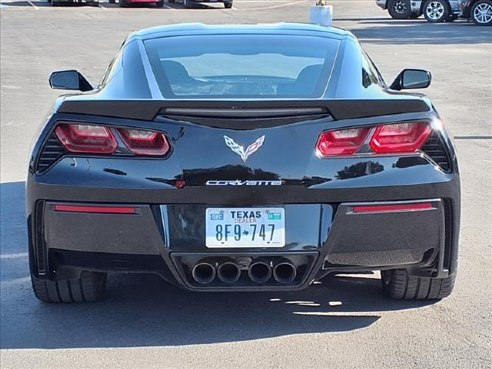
(434, 11)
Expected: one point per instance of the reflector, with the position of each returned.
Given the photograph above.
(94, 209)
(392, 208)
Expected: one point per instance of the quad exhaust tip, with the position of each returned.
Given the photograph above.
(203, 273)
(228, 272)
(284, 272)
(260, 272)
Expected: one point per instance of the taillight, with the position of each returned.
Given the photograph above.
(389, 138)
(400, 137)
(341, 142)
(143, 142)
(85, 138)
(97, 139)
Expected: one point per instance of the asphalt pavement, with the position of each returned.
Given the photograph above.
(342, 322)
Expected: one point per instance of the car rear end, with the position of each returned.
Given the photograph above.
(229, 194)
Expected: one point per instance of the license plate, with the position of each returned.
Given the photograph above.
(245, 227)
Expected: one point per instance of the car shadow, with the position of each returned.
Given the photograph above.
(422, 33)
(143, 310)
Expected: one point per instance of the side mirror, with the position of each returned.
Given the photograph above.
(69, 80)
(410, 79)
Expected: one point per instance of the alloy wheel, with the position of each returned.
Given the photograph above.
(435, 10)
(400, 7)
(483, 13)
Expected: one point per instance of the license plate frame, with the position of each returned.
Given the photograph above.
(259, 227)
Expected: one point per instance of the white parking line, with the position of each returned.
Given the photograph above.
(34, 6)
(14, 255)
(168, 7)
(284, 4)
(102, 7)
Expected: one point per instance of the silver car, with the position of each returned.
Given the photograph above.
(434, 11)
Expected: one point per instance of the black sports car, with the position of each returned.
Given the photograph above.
(242, 158)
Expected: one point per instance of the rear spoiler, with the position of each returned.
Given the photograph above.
(269, 109)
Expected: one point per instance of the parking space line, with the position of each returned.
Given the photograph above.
(473, 137)
(284, 4)
(102, 7)
(34, 6)
(168, 7)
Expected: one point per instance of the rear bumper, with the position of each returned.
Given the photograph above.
(321, 238)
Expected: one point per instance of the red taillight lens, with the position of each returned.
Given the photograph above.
(400, 137)
(143, 142)
(385, 139)
(84, 138)
(341, 142)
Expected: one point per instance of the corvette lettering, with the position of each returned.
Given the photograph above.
(243, 183)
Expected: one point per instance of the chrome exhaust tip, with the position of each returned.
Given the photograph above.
(228, 272)
(284, 272)
(203, 273)
(260, 272)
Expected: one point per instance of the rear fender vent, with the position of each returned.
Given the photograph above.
(41, 266)
(448, 233)
(52, 151)
(434, 149)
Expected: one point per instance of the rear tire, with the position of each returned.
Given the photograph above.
(124, 4)
(399, 9)
(171, 1)
(436, 11)
(398, 284)
(89, 287)
(228, 5)
(112, 1)
(188, 4)
(481, 13)
(159, 4)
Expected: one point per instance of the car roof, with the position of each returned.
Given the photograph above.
(186, 29)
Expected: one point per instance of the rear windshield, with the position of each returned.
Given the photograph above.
(242, 66)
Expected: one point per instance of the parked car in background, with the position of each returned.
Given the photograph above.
(434, 11)
(191, 3)
(480, 11)
(401, 9)
(126, 3)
